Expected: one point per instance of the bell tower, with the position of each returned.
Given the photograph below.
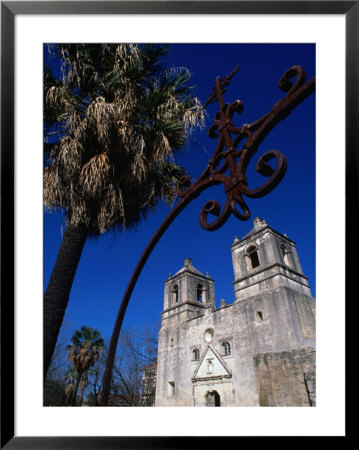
(264, 260)
(270, 287)
(187, 294)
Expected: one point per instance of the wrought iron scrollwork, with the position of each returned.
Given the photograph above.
(229, 163)
(227, 166)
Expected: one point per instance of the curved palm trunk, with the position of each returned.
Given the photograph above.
(58, 290)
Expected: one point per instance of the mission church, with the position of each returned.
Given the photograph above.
(258, 350)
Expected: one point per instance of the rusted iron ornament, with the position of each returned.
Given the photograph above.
(226, 157)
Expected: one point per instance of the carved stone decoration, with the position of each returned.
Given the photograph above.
(208, 335)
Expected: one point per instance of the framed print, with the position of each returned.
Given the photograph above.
(322, 145)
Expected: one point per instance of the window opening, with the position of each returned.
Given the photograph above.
(175, 293)
(195, 354)
(260, 316)
(285, 254)
(252, 253)
(226, 348)
(200, 293)
(171, 388)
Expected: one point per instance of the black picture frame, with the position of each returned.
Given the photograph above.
(9, 9)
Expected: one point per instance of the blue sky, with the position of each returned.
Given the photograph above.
(107, 263)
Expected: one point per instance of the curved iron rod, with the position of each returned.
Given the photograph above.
(107, 377)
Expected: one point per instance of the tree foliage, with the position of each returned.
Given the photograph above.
(66, 386)
(112, 125)
(84, 350)
(137, 351)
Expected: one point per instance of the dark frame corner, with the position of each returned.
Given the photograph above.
(9, 9)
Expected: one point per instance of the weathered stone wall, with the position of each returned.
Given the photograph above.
(286, 378)
(175, 358)
(276, 321)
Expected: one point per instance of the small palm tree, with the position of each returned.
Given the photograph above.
(112, 125)
(84, 350)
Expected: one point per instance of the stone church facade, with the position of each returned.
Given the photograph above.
(258, 350)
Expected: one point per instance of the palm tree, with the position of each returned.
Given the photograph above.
(84, 350)
(112, 125)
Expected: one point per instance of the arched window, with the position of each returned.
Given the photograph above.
(200, 293)
(195, 354)
(285, 254)
(175, 293)
(252, 254)
(226, 348)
